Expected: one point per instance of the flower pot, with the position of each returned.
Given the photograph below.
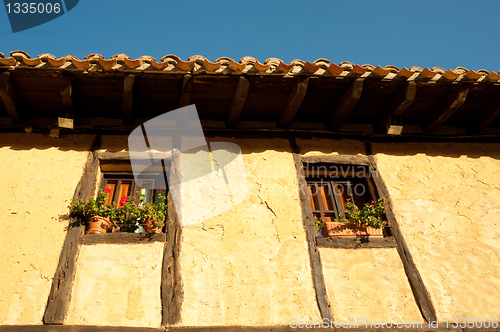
(98, 224)
(149, 227)
(348, 229)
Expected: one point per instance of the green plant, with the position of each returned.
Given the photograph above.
(92, 207)
(369, 215)
(132, 213)
(318, 223)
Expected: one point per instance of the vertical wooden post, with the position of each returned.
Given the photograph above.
(314, 257)
(60, 292)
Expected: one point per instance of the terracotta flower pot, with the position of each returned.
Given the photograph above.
(98, 224)
(149, 227)
(348, 229)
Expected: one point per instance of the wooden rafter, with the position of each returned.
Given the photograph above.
(9, 96)
(187, 87)
(347, 103)
(451, 104)
(128, 99)
(293, 103)
(238, 101)
(491, 113)
(399, 104)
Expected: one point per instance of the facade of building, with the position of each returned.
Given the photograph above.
(261, 263)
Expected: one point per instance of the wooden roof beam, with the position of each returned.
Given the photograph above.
(9, 96)
(238, 102)
(399, 104)
(187, 87)
(491, 113)
(347, 103)
(454, 101)
(293, 103)
(128, 99)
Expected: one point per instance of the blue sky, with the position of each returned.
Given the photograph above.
(424, 33)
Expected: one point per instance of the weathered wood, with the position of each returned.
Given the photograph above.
(349, 327)
(347, 103)
(449, 106)
(400, 104)
(422, 296)
(187, 87)
(238, 102)
(357, 243)
(491, 113)
(308, 223)
(171, 279)
(355, 160)
(123, 238)
(293, 103)
(128, 99)
(60, 292)
(9, 96)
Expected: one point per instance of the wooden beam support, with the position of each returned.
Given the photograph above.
(238, 102)
(400, 104)
(9, 96)
(308, 223)
(123, 238)
(491, 113)
(187, 87)
(422, 296)
(60, 292)
(128, 99)
(449, 106)
(357, 243)
(66, 93)
(293, 103)
(171, 279)
(347, 103)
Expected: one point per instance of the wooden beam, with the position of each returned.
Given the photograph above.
(449, 106)
(9, 96)
(308, 223)
(491, 112)
(66, 93)
(347, 103)
(123, 238)
(187, 87)
(354, 160)
(171, 279)
(357, 243)
(422, 296)
(238, 102)
(60, 292)
(400, 104)
(128, 99)
(293, 103)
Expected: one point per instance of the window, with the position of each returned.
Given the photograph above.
(330, 186)
(123, 184)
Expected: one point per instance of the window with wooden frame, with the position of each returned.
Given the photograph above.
(117, 176)
(330, 187)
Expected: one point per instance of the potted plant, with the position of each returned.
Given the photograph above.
(94, 212)
(319, 223)
(360, 222)
(150, 215)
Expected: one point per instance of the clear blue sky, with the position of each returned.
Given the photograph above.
(403, 33)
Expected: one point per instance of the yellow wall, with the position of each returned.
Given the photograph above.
(39, 174)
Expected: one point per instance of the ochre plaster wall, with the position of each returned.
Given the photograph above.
(250, 265)
(446, 197)
(368, 284)
(39, 174)
(117, 285)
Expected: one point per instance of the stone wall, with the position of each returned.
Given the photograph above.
(39, 174)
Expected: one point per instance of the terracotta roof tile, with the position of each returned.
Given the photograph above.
(246, 65)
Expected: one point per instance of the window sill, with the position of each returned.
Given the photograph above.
(357, 243)
(123, 238)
